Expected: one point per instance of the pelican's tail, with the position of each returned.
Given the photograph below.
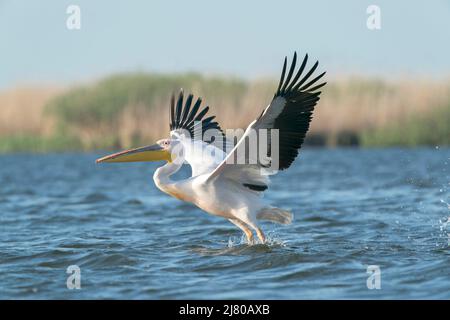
(275, 215)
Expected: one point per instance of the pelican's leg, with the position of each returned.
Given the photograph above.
(260, 235)
(241, 225)
(259, 232)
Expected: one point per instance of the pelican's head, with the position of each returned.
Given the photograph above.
(162, 150)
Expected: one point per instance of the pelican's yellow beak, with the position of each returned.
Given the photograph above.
(148, 153)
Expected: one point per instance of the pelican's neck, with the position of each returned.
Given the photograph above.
(162, 174)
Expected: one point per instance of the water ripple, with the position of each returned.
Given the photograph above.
(353, 208)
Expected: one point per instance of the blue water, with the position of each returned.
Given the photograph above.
(353, 208)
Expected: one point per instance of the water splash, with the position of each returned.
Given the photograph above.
(233, 241)
(272, 240)
(444, 224)
(448, 204)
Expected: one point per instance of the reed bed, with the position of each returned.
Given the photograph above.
(132, 109)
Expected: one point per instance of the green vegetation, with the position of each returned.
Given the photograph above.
(30, 143)
(430, 129)
(104, 101)
(127, 110)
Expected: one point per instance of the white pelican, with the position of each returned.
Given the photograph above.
(218, 185)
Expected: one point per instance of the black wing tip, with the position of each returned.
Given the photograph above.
(183, 117)
(287, 86)
(180, 94)
(301, 94)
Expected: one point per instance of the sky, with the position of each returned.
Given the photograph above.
(248, 39)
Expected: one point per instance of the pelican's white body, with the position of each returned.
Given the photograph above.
(220, 196)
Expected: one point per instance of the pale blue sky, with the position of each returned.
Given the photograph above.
(243, 38)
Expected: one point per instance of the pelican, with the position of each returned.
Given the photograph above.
(219, 183)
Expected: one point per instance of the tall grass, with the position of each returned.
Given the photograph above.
(129, 109)
(431, 128)
(132, 109)
(22, 111)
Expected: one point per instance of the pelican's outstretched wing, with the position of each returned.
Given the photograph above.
(196, 131)
(290, 112)
(184, 120)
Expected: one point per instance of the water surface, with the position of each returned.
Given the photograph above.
(353, 208)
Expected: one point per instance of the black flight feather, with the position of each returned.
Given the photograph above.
(182, 117)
